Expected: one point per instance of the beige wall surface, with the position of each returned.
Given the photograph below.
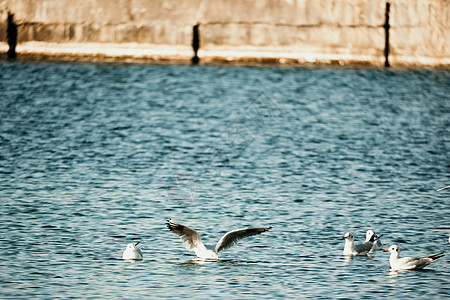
(303, 30)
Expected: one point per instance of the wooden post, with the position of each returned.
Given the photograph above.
(386, 34)
(195, 43)
(11, 35)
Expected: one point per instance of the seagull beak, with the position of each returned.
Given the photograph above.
(387, 250)
(343, 238)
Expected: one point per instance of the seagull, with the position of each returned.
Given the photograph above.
(192, 240)
(373, 238)
(351, 249)
(409, 263)
(132, 252)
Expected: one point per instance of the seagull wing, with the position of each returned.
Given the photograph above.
(436, 256)
(190, 237)
(419, 263)
(364, 247)
(233, 237)
(411, 263)
(139, 251)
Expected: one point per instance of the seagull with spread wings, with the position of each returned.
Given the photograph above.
(192, 241)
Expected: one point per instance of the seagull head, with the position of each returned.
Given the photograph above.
(132, 247)
(370, 236)
(393, 249)
(348, 236)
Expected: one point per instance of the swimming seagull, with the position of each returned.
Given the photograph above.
(373, 238)
(132, 252)
(351, 249)
(409, 263)
(192, 241)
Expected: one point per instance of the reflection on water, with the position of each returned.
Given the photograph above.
(95, 156)
(396, 273)
(230, 262)
(191, 264)
(349, 258)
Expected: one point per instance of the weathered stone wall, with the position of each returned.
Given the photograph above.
(106, 21)
(420, 31)
(303, 30)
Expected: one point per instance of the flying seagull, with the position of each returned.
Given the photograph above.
(192, 241)
(409, 263)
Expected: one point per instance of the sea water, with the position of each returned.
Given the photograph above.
(95, 156)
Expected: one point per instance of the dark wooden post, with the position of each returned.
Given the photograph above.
(195, 43)
(11, 35)
(386, 34)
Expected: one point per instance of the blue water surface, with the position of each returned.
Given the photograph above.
(95, 156)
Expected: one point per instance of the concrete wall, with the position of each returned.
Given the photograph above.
(420, 31)
(300, 30)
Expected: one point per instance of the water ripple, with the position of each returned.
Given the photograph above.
(96, 156)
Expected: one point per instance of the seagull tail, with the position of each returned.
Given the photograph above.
(436, 256)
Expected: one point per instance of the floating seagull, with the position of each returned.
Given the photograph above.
(409, 263)
(351, 249)
(192, 240)
(132, 252)
(373, 238)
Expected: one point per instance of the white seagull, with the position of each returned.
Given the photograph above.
(132, 252)
(373, 238)
(351, 249)
(409, 263)
(192, 240)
